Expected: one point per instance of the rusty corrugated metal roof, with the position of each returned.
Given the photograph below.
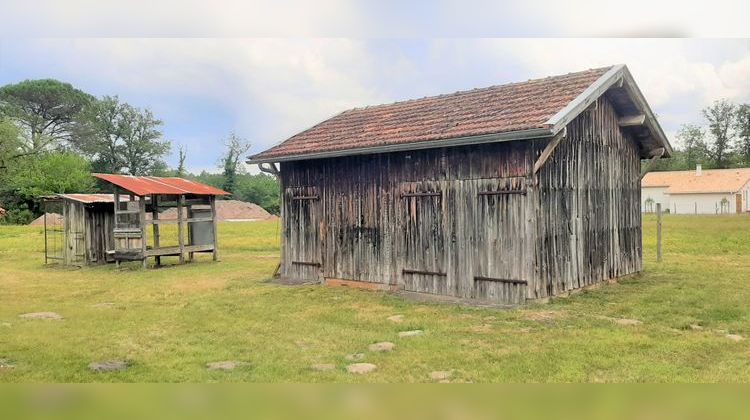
(89, 198)
(143, 185)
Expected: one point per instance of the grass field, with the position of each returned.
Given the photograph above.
(169, 323)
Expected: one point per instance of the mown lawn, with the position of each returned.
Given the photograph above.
(168, 323)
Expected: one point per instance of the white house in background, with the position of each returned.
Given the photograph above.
(709, 191)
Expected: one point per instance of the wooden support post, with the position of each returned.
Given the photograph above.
(547, 152)
(658, 232)
(45, 233)
(191, 254)
(181, 227)
(142, 222)
(212, 200)
(155, 216)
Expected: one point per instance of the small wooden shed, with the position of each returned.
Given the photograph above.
(502, 194)
(135, 196)
(85, 233)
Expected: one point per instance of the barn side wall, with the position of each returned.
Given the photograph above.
(587, 206)
(412, 220)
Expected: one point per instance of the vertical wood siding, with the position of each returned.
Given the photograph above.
(588, 219)
(470, 221)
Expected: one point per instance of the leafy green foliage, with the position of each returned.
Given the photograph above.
(720, 116)
(120, 138)
(723, 143)
(47, 111)
(236, 148)
(742, 128)
(50, 173)
(10, 144)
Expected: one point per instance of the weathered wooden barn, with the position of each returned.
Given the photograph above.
(85, 234)
(134, 196)
(502, 194)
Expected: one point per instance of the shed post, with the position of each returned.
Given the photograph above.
(181, 227)
(212, 200)
(45, 232)
(658, 232)
(155, 221)
(142, 220)
(117, 211)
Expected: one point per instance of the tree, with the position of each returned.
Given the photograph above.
(34, 176)
(119, 137)
(720, 117)
(10, 144)
(181, 172)
(236, 148)
(46, 110)
(695, 150)
(742, 127)
(261, 189)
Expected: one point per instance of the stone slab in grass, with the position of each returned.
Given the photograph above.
(355, 356)
(225, 365)
(361, 368)
(108, 365)
(411, 333)
(695, 327)
(323, 367)
(627, 321)
(41, 315)
(734, 337)
(6, 364)
(396, 318)
(622, 321)
(440, 375)
(382, 346)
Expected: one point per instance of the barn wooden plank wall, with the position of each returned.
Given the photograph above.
(87, 232)
(588, 220)
(470, 221)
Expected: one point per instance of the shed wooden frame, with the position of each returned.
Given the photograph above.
(86, 231)
(500, 218)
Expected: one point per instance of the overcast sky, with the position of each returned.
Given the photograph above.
(269, 88)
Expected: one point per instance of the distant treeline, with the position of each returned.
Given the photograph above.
(52, 136)
(721, 141)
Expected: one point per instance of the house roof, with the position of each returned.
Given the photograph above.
(532, 109)
(143, 185)
(709, 181)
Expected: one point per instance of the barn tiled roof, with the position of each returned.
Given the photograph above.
(493, 110)
(709, 181)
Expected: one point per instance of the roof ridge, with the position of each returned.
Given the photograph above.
(475, 90)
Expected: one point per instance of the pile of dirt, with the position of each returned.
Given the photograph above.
(53, 219)
(230, 211)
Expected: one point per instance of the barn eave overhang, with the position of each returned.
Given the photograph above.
(620, 87)
(533, 133)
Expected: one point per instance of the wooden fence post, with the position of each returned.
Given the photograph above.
(658, 232)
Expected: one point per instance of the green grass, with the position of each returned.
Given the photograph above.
(168, 323)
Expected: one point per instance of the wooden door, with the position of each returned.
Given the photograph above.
(497, 238)
(424, 221)
(303, 243)
(75, 239)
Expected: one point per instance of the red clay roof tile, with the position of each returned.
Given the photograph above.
(492, 110)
